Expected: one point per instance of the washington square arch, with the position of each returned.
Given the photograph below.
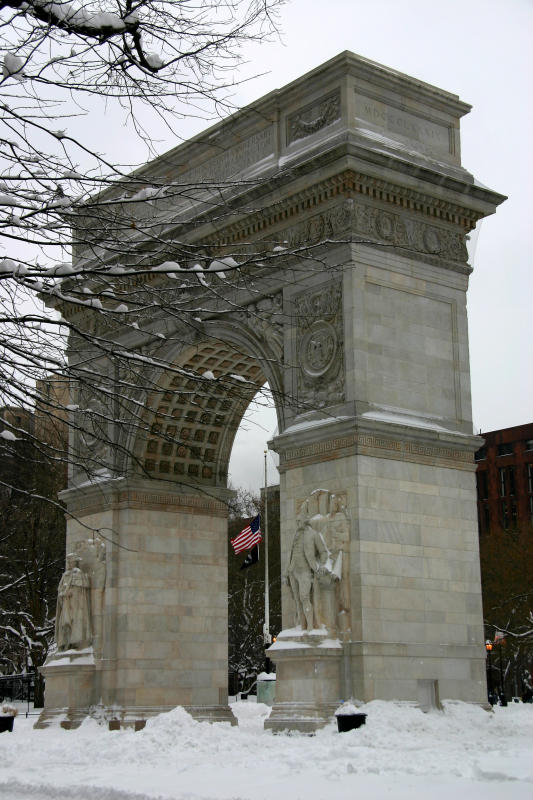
(348, 183)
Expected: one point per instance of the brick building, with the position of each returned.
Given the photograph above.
(505, 513)
(505, 479)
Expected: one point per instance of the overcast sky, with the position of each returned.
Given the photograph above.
(482, 52)
(478, 49)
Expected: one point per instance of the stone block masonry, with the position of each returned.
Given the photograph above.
(363, 339)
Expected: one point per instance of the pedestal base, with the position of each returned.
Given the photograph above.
(308, 682)
(128, 718)
(69, 688)
(136, 717)
(71, 696)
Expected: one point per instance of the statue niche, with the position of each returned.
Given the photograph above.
(318, 568)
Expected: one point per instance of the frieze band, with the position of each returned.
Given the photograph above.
(352, 217)
(408, 451)
(186, 503)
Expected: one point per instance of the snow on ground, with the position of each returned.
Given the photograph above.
(400, 754)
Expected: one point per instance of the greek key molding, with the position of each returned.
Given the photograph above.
(189, 504)
(318, 449)
(91, 500)
(380, 446)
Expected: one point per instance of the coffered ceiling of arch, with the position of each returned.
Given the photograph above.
(193, 422)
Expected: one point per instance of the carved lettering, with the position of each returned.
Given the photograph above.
(432, 136)
(228, 162)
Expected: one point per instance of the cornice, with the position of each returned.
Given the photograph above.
(302, 445)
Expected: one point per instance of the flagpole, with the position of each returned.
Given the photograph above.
(267, 639)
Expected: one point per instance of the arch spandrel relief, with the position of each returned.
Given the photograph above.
(265, 319)
(320, 347)
(91, 433)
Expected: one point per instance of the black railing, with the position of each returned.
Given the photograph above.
(19, 688)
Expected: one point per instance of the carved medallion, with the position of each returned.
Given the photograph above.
(431, 240)
(385, 226)
(318, 349)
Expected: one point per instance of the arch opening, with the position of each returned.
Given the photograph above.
(257, 426)
(196, 406)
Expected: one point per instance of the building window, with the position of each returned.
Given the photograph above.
(483, 516)
(529, 444)
(530, 490)
(509, 514)
(481, 454)
(482, 485)
(507, 482)
(504, 515)
(486, 514)
(505, 449)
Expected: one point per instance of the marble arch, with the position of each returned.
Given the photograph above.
(366, 350)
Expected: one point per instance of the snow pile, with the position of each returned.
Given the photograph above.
(346, 709)
(399, 753)
(154, 60)
(222, 264)
(74, 14)
(8, 200)
(12, 67)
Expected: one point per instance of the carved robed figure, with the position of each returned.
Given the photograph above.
(73, 616)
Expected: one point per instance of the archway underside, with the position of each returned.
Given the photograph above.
(194, 413)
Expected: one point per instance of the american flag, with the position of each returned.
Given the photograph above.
(248, 537)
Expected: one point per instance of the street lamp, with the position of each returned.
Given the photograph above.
(488, 648)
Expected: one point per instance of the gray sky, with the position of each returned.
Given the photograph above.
(478, 49)
(482, 52)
